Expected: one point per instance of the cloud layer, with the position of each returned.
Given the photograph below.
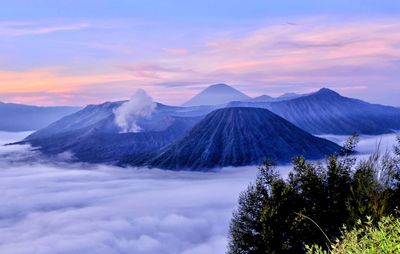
(74, 208)
(49, 208)
(14, 29)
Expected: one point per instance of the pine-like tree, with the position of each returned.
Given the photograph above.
(245, 229)
(278, 215)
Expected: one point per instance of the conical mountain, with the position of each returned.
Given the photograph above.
(239, 137)
(215, 95)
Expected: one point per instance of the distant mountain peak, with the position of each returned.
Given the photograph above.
(288, 96)
(327, 91)
(219, 86)
(215, 95)
(262, 98)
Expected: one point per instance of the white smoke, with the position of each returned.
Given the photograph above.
(140, 105)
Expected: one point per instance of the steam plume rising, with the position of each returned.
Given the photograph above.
(140, 105)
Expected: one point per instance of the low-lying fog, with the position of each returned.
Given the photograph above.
(77, 208)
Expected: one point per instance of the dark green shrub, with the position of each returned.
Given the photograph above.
(278, 215)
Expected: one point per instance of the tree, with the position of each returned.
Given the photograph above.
(397, 147)
(245, 229)
(278, 215)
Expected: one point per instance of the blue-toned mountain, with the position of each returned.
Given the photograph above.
(238, 137)
(327, 112)
(92, 134)
(19, 117)
(216, 95)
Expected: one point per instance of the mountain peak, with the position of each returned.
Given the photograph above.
(262, 98)
(215, 95)
(238, 137)
(219, 86)
(326, 91)
(288, 96)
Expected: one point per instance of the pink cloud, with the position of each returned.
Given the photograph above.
(288, 53)
(13, 29)
(352, 56)
(177, 51)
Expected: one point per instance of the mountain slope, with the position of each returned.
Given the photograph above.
(91, 134)
(94, 145)
(18, 117)
(85, 118)
(238, 137)
(327, 112)
(216, 94)
(288, 96)
(97, 115)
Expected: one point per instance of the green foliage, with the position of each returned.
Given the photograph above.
(372, 181)
(397, 147)
(366, 238)
(278, 215)
(245, 226)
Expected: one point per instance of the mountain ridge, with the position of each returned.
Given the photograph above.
(93, 136)
(327, 112)
(238, 137)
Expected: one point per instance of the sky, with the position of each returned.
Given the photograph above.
(85, 52)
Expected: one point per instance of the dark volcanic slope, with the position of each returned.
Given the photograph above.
(91, 134)
(240, 136)
(95, 145)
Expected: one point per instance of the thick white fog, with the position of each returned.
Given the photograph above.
(367, 144)
(78, 208)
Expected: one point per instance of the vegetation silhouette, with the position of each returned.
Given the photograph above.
(311, 206)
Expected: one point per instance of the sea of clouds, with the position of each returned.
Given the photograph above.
(78, 208)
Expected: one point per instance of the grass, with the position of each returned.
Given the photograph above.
(366, 238)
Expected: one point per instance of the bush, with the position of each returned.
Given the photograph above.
(366, 238)
(278, 215)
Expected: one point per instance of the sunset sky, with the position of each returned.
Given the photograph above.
(82, 52)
